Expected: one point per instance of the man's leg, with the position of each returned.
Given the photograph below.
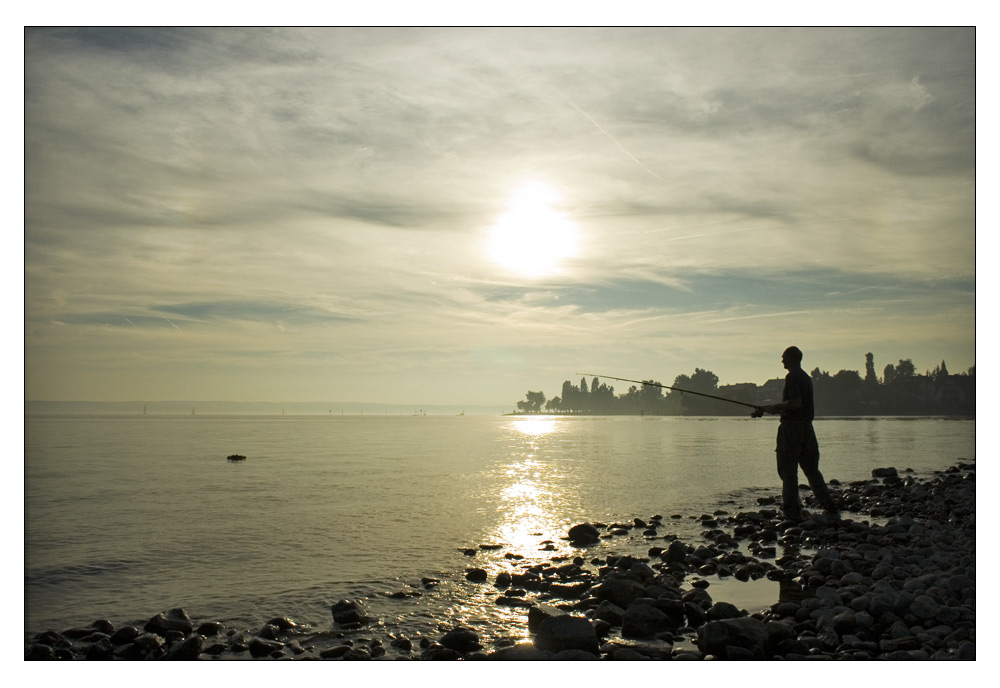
(788, 471)
(809, 460)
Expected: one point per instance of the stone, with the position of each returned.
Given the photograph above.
(172, 620)
(187, 649)
(268, 632)
(101, 650)
(610, 612)
(574, 656)
(539, 613)
(348, 612)
(124, 635)
(925, 607)
(334, 652)
(566, 632)
(209, 629)
(261, 647)
(620, 591)
(522, 652)
(746, 632)
(644, 621)
(476, 575)
(40, 652)
(584, 534)
(722, 610)
(461, 640)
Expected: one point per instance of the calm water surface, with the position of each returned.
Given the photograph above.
(127, 516)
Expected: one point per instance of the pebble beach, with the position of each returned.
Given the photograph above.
(892, 579)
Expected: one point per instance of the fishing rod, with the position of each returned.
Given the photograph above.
(676, 389)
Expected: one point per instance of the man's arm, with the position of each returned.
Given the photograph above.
(793, 403)
(781, 407)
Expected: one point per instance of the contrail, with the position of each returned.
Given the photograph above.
(171, 324)
(617, 143)
(130, 322)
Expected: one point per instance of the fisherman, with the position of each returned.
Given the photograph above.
(797, 445)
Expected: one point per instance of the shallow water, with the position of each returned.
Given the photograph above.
(130, 515)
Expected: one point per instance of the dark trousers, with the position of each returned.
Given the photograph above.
(797, 447)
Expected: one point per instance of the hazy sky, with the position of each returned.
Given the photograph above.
(457, 216)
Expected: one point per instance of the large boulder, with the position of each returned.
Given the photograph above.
(567, 632)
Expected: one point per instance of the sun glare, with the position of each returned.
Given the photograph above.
(533, 238)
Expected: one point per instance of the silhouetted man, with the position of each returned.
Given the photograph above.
(797, 445)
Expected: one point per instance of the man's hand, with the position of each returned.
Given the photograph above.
(757, 412)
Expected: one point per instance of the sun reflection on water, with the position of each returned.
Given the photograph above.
(530, 491)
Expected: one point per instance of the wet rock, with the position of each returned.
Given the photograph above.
(645, 621)
(522, 652)
(476, 575)
(718, 637)
(440, 653)
(40, 652)
(722, 610)
(574, 656)
(100, 650)
(283, 623)
(262, 647)
(348, 613)
(461, 639)
(124, 635)
(188, 649)
(566, 632)
(620, 591)
(172, 620)
(335, 652)
(584, 534)
(209, 629)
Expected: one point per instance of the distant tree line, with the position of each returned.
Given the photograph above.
(899, 392)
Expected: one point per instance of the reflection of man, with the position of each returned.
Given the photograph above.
(797, 445)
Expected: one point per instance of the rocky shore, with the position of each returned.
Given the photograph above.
(892, 579)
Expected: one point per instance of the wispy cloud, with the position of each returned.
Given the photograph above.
(282, 193)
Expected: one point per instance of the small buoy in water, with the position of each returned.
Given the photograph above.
(236, 457)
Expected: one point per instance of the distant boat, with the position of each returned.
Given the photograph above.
(236, 457)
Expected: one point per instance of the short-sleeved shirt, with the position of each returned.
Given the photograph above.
(799, 385)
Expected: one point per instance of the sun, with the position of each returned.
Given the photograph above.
(533, 238)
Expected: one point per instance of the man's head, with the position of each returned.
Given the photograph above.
(791, 358)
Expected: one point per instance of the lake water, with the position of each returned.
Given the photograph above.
(127, 516)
